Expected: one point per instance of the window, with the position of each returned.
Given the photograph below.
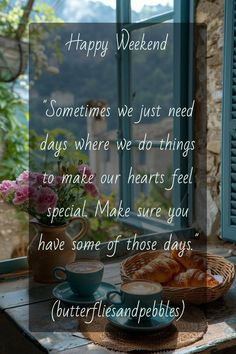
(133, 87)
(133, 82)
(229, 126)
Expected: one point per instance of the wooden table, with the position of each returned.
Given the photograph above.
(15, 336)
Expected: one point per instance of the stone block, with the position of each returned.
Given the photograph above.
(214, 147)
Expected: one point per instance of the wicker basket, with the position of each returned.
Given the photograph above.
(217, 264)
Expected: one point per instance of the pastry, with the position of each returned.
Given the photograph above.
(189, 259)
(161, 269)
(193, 278)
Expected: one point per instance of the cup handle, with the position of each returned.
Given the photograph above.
(60, 269)
(111, 302)
(84, 227)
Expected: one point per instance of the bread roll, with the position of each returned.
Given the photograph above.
(193, 278)
(190, 260)
(161, 269)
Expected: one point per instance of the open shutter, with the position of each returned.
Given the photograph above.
(229, 126)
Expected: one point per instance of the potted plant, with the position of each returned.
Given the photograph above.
(33, 193)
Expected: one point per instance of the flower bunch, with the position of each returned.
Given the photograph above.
(34, 193)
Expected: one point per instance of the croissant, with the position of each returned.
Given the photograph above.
(189, 259)
(193, 278)
(169, 255)
(161, 269)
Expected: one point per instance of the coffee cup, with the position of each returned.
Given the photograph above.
(84, 277)
(139, 295)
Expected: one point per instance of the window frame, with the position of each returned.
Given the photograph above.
(183, 14)
(13, 265)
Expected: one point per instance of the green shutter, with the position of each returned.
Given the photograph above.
(228, 204)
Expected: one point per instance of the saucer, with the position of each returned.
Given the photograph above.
(64, 293)
(151, 324)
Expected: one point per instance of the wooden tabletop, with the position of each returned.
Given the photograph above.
(16, 300)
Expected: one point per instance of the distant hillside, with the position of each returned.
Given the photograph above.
(87, 11)
(149, 11)
(90, 11)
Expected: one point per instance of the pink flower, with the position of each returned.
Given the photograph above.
(25, 194)
(46, 199)
(39, 178)
(86, 170)
(21, 194)
(36, 178)
(7, 187)
(91, 189)
(57, 181)
(23, 177)
(31, 178)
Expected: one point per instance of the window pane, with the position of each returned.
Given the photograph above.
(155, 167)
(152, 85)
(99, 11)
(84, 81)
(143, 9)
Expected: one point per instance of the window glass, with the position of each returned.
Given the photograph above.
(143, 9)
(85, 81)
(93, 11)
(152, 84)
(155, 180)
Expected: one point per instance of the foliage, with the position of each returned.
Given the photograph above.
(13, 126)
(44, 160)
(157, 197)
(11, 15)
(14, 134)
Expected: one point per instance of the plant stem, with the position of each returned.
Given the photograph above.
(21, 29)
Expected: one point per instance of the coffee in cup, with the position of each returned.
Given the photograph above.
(141, 287)
(138, 294)
(84, 267)
(84, 277)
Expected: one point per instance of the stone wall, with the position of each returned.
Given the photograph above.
(209, 68)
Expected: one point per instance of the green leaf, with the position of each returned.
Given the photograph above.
(94, 224)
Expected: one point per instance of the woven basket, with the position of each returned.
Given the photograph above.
(216, 264)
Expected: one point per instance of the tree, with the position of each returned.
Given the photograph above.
(15, 17)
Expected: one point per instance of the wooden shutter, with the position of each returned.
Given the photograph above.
(228, 170)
